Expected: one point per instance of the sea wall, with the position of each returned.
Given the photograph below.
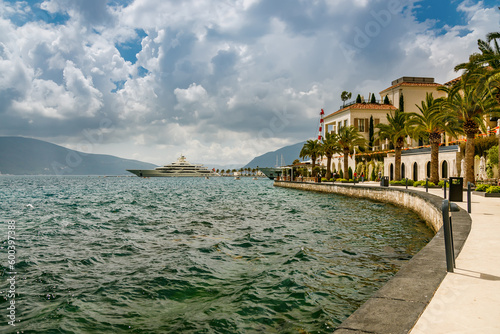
(422, 203)
(396, 307)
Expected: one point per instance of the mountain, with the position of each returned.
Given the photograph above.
(27, 156)
(289, 153)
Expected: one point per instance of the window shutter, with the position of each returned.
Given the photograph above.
(376, 120)
(366, 125)
(356, 124)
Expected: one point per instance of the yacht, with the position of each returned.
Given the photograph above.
(180, 168)
(271, 172)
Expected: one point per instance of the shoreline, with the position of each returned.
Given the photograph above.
(397, 306)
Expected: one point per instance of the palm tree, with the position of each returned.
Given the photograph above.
(395, 131)
(344, 96)
(469, 101)
(330, 147)
(348, 138)
(430, 124)
(490, 56)
(312, 149)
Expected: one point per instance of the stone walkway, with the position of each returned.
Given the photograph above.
(468, 300)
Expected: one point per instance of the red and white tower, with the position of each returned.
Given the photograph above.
(321, 123)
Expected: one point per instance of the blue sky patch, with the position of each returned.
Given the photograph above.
(132, 47)
(33, 12)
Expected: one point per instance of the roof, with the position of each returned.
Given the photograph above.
(451, 82)
(411, 84)
(365, 106)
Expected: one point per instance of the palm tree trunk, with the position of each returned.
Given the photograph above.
(346, 164)
(434, 159)
(469, 158)
(397, 162)
(328, 167)
(313, 173)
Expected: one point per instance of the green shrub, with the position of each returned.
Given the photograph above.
(493, 189)
(441, 183)
(372, 175)
(431, 184)
(410, 182)
(418, 183)
(482, 187)
(323, 179)
(395, 182)
(340, 180)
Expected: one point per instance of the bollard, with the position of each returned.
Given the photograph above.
(448, 237)
(406, 183)
(468, 197)
(426, 185)
(444, 187)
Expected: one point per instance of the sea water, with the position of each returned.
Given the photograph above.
(192, 255)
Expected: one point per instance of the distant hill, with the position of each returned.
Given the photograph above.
(27, 156)
(290, 153)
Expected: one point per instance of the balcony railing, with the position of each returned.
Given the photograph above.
(354, 102)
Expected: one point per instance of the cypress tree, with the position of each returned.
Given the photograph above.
(386, 100)
(373, 99)
(402, 103)
(370, 134)
(358, 99)
(349, 171)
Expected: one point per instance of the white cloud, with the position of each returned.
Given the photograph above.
(223, 81)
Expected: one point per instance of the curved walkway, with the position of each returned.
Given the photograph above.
(468, 300)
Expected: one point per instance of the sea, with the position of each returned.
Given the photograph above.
(94, 254)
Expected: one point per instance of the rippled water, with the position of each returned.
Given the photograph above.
(161, 255)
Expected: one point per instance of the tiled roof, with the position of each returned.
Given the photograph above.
(365, 106)
(414, 84)
(451, 82)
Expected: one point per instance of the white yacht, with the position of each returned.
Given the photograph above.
(180, 168)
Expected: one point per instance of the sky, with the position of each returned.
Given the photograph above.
(220, 81)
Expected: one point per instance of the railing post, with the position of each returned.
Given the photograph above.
(407, 183)
(448, 237)
(444, 187)
(468, 197)
(426, 185)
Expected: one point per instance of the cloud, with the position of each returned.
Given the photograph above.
(218, 81)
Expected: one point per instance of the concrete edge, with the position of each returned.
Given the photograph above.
(397, 306)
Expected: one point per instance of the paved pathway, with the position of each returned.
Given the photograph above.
(468, 300)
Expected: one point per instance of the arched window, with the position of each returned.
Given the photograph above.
(444, 170)
(391, 172)
(415, 171)
(428, 169)
(403, 173)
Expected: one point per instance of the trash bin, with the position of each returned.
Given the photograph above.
(456, 189)
(384, 181)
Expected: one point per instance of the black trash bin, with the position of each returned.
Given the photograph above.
(456, 189)
(384, 181)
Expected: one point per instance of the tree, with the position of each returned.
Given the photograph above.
(311, 149)
(371, 133)
(373, 100)
(330, 146)
(430, 124)
(386, 100)
(296, 162)
(489, 56)
(358, 99)
(344, 96)
(395, 131)
(402, 103)
(348, 138)
(469, 101)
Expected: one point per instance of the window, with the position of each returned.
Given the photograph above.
(361, 124)
(345, 122)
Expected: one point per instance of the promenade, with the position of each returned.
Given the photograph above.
(468, 300)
